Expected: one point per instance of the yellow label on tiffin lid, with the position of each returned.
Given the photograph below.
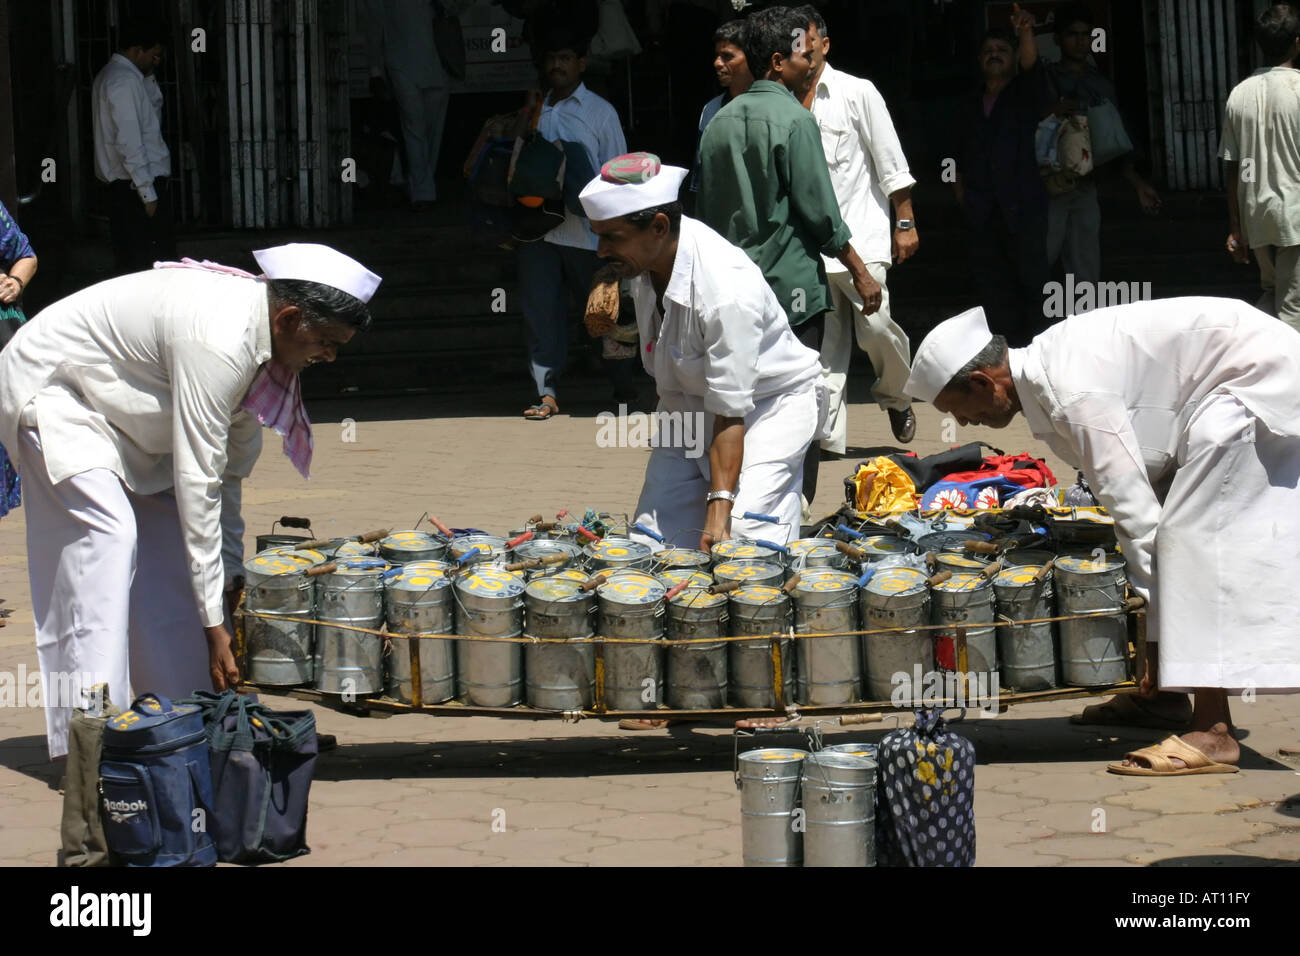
(275, 564)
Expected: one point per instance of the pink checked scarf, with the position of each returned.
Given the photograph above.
(275, 396)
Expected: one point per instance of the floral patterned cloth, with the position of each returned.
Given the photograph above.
(11, 494)
(14, 245)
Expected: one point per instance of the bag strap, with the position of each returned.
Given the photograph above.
(222, 706)
(538, 105)
(284, 728)
(243, 737)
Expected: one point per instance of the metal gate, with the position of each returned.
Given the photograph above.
(287, 112)
(1198, 67)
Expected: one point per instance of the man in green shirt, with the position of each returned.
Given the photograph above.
(764, 185)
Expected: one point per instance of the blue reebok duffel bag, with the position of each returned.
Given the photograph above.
(156, 785)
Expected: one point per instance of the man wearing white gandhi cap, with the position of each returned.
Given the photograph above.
(134, 410)
(722, 354)
(1184, 414)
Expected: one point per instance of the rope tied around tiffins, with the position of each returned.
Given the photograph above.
(667, 642)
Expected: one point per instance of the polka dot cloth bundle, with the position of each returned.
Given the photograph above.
(925, 796)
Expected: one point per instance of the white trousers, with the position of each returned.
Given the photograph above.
(424, 113)
(111, 590)
(878, 335)
(1279, 282)
(1228, 556)
(777, 434)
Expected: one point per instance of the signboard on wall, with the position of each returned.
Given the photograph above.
(496, 56)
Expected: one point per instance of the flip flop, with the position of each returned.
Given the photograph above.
(632, 723)
(1158, 756)
(1133, 712)
(543, 410)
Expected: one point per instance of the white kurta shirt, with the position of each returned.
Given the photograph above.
(723, 343)
(126, 114)
(582, 117)
(1261, 125)
(1112, 392)
(865, 160)
(144, 375)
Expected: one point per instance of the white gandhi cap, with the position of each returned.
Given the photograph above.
(951, 344)
(313, 262)
(603, 198)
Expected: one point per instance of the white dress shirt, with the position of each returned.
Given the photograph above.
(144, 375)
(1112, 392)
(399, 36)
(865, 160)
(724, 343)
(1261, 124)
(582, 117)
(126, 114)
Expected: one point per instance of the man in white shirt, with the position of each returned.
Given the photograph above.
(1260, 150)
(868, 172)
(564, 260)
(1184, 415)
(725, 361)
(130, 155)
(399, 40)
(133, 407)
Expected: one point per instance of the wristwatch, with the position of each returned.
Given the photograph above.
(905, 224)
(724, 495)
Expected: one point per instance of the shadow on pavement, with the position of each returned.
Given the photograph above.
(30, 757)
(701, 746)
(1054, 740)
(1224, 860)
(683, 747)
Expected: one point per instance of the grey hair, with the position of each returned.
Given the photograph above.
(320, 304)
(643, 217)
(993, 355)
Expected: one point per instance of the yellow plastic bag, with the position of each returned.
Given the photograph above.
(881, 485)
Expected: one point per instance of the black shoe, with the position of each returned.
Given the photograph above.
(903, 422)
(326, 742)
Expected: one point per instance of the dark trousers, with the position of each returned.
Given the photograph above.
(810, 334)
(1010, 270)
(139, 240)
(548, 275)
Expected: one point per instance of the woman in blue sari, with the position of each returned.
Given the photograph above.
(18, 262)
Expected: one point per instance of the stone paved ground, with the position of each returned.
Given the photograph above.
(420, 789)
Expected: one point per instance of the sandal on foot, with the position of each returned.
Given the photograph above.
(542, 410)
(1160, 765)
(632, 723)
(1128, 711)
